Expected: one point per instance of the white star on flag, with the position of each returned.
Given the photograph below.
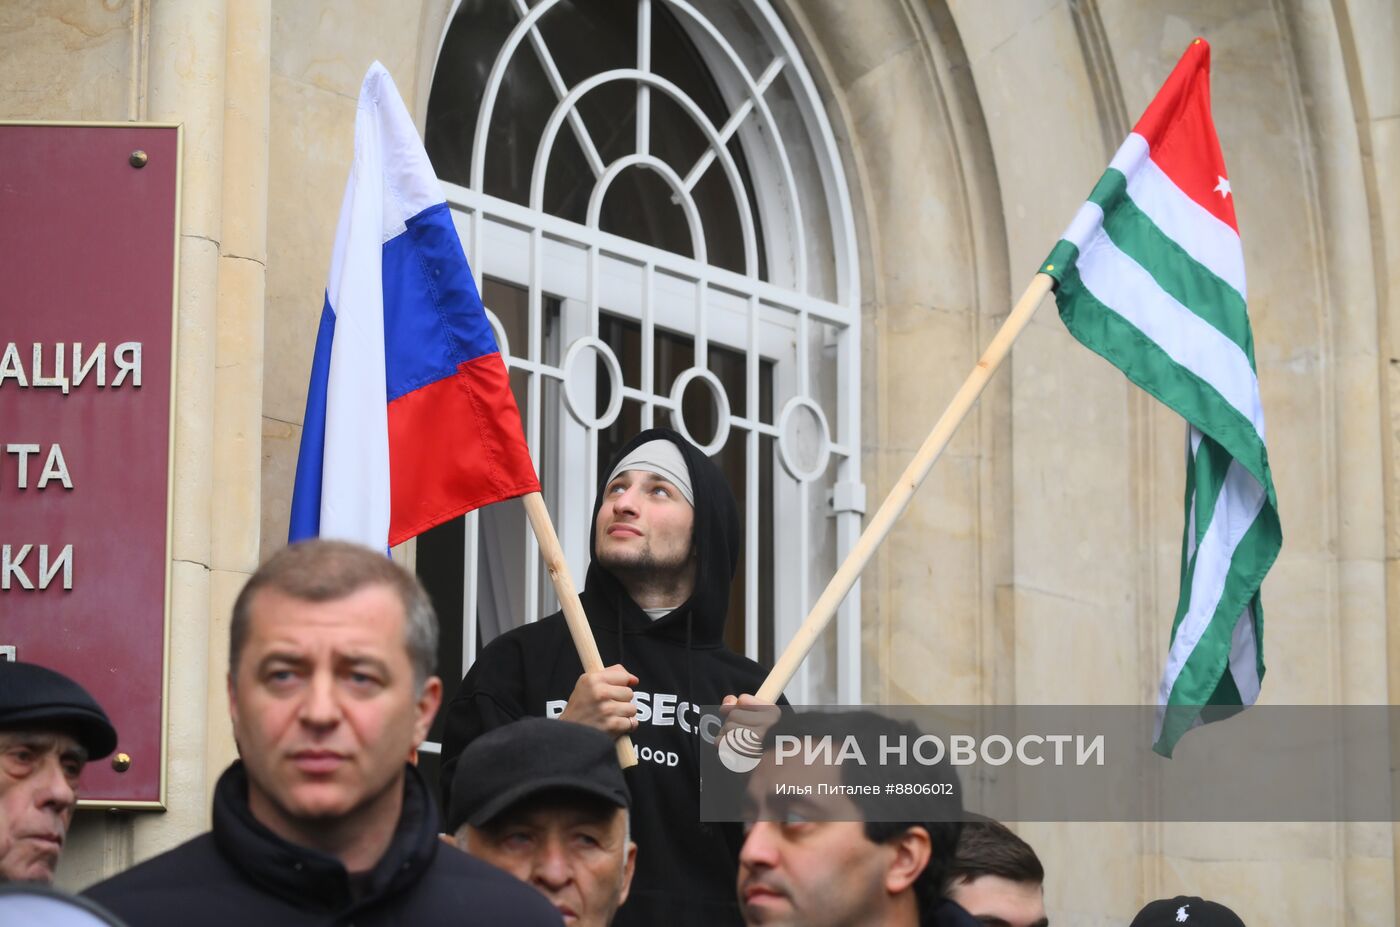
(1223, 188)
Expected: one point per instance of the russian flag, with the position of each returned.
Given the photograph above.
(410, 420)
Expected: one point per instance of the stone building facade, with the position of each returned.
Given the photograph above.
(1038, 565)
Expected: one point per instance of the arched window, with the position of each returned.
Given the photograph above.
(651, 198)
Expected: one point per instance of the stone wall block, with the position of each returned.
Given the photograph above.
(238, 410)
(93, 40)
(1071, 482)
(194, 399)
(1083, 886)
(186, 788)
(1056, 631)
(280, 443)
(220, 749)
(911, 163)
(1301, 632)
(312, 144)
(330, 44)
(187, 86)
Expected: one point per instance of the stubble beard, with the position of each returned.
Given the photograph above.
(643, 569)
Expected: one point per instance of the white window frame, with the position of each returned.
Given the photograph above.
(779, 320)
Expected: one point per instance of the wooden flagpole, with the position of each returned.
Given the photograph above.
(579, 629)
(903, 491)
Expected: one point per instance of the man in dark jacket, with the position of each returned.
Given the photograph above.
(665, 546)
(331, 650)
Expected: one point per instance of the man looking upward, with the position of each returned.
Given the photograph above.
(665, 545)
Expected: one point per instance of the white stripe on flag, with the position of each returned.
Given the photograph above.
(355, 470)
(1244, 657)
(1124, 286)
(1238, 504)
(1209, 241)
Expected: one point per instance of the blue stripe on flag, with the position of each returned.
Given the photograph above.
(306, 490)
(433, 317)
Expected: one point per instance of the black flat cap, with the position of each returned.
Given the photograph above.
(532, 755)
(1184, 909)
(32, 696)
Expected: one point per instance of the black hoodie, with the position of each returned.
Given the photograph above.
(685, 870)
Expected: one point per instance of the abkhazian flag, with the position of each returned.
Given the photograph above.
(1150, 275)
(410, 420)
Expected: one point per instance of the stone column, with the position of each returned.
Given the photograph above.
(186, 85)
(238, 373)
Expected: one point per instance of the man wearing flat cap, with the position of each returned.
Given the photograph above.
(50, 727)
(665, 546)
(545, 801)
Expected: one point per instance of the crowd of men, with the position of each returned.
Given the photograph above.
(325, 819)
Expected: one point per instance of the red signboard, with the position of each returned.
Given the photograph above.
(88, 241)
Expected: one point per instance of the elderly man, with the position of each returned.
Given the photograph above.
(996, 876)
(50, 727)
(546, 802)
(818, 856)
(665, 546)
(323, 821)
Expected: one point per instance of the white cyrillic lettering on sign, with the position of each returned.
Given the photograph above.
(55, 468)
(58, 379)
(48, 569)
(22, 451)
(126, 357)
(11, 567)
(11, 367)
(81, 367)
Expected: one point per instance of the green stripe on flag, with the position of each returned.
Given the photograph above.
(1109, 335)
(1200, 676)
(1190, 283)
(1208, 470)
(1190, 539)
(1205, 475)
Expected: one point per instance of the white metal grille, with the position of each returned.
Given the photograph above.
(799, 327)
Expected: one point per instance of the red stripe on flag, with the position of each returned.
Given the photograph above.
(454, 446)
(1181, 135)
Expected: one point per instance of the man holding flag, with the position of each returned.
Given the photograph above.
(664, 550)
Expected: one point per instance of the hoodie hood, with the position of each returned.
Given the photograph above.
(715, 539)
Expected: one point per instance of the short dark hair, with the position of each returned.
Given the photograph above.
(989, 848)
(942, 826)
(326, 571)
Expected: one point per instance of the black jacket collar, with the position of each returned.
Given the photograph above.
(311, 879)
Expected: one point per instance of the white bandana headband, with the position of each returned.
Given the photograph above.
(662, 458)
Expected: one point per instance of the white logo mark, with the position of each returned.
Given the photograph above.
(740, 749)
